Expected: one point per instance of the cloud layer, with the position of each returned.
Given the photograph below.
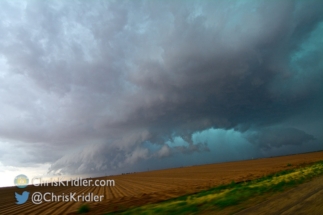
(101, 85)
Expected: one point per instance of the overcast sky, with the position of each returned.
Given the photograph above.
(105, 87)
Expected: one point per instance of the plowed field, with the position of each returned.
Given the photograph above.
(154, 186)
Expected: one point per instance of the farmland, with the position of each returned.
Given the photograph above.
(154, 186)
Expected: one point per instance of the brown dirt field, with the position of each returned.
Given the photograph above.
(304, 199)
(150, 187)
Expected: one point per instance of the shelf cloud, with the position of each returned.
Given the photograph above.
(108, 86)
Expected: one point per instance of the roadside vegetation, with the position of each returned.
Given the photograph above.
(83, 209)
(223, 196)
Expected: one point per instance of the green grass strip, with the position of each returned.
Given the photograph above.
(231, 194)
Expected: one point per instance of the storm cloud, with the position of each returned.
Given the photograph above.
(276, 137)
(92, 86)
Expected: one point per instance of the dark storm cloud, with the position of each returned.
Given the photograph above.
(267, 138)
(112, 82)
